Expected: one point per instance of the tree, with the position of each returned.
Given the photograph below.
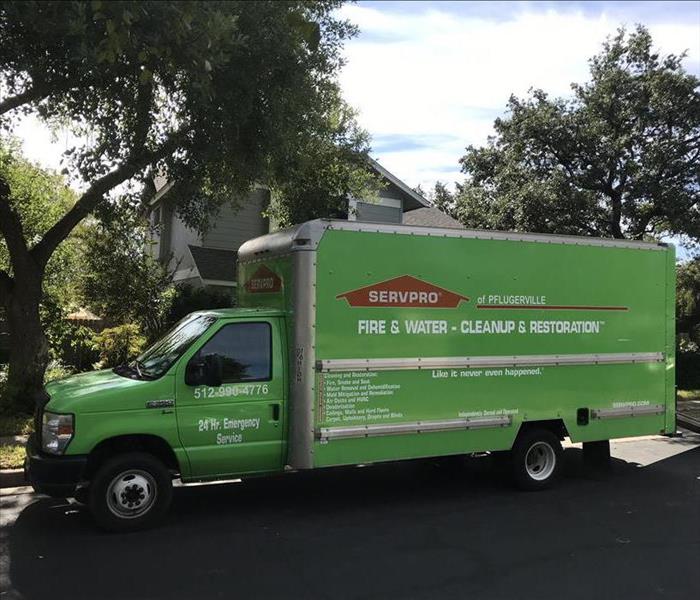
(120, 280)
(324, 173)
(688, 324)
(218, 95)
(39, 198)
(688, 304)
(442, 199)
(620, 158)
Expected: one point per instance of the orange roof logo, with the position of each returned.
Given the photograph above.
(405, 291)
(263, 281)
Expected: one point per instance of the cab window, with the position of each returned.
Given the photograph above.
(245, 350)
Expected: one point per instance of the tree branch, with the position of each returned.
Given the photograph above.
(642, 225)
(144, 100)
(94, 195)
(6, 283)
(616, 215)
(30, 95)
(11, 225)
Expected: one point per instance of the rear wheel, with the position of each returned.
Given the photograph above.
(130, 492)
(536, 459)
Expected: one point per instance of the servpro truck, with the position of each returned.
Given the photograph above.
(357, 343)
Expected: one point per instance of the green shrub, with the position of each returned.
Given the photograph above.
(688, 370)
(56, 370)
(12, 457)
(16, 424)
(76, 347)
(118, 345)
(3, 381)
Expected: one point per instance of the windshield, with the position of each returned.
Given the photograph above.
(155, 361)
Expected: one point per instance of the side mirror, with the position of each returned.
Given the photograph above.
(205, 370)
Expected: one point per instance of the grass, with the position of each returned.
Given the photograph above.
(16, 425)
(12, 457)
(689, 394)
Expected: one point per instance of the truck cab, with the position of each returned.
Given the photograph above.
(206, 401)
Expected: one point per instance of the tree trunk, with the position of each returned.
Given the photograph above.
(29, 349)
(616, 215)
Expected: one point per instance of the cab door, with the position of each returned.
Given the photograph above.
(236, 427)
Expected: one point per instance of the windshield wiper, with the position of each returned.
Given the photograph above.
(133, 370)
(143, 371)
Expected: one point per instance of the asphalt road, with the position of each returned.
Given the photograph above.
(424, 530)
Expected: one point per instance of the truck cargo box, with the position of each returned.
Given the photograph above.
(408, 342)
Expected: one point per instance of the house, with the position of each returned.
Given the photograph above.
(209, 259)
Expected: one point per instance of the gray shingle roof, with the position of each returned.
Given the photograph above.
(213, 263)
(430, 217)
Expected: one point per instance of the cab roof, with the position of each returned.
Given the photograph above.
(230, 313)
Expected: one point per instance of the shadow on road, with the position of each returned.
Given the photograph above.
(424, 529)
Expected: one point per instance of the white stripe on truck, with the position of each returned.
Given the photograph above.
(627, 411)
(529, 360)
(355, 431)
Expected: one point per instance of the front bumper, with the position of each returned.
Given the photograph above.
(56, 476)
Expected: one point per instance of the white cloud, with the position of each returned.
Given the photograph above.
(448, 75)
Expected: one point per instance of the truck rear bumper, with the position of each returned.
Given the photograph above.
(56, 476)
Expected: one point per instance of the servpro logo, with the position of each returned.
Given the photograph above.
(263, 281)
(405, 291)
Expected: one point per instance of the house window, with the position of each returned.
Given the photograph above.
(378, 213)
(155, 217)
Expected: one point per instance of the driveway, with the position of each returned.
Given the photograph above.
(425, 529)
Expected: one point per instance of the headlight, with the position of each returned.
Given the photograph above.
(56, 432)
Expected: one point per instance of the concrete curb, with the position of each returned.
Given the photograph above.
(688, 422)
(10, 478)
(16, 491)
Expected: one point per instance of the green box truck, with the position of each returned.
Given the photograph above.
(357, 343)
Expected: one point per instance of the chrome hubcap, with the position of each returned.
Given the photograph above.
(131, 494)
(540, 461)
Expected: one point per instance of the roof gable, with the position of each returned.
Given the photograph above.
(215, 264)
(412, 199)
(430, 217)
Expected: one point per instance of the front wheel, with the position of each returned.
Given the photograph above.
(536, 459)
(129, 492)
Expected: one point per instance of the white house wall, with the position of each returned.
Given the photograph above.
(180, 237)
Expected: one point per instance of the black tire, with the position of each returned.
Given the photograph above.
(129, 492)
(536, 459)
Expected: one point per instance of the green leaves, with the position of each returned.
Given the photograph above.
(309, 30)
(120, 280)
(220, 95)
(688, 305)
(621, 158)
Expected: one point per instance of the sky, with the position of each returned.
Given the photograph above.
(429, 78)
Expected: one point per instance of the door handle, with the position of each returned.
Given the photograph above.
(275, 412)
(160, 404)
